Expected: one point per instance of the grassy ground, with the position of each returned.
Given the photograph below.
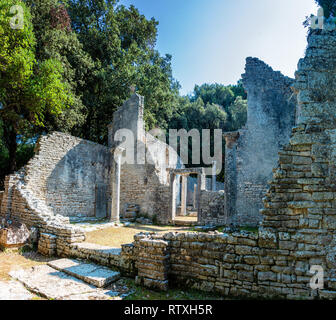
(115, 237)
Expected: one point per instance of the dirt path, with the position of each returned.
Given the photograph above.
(12, 261)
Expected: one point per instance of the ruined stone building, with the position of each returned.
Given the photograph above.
(145, 183)
(73, 178)
(252, 152)
(70, 176)
(298, 229)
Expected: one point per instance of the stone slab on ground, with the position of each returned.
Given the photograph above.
(87, 249)
(14, 235)
(91, 273)
(14, 290)
(86, 226)
(185, 223)
(93, 248)
(53, 284)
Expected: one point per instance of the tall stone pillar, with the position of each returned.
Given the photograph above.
(172, 208)
(178, 189)
(230, 180)
(184, 196)
(195, 196)
(214, 175)
(201, 186)
(115, 210)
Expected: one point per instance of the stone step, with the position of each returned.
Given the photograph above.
(130, 220)
(88, 272)
(185, 223)
(192, 214)
(50, 283)
(130, 215)
(133, 206)
(132, 211)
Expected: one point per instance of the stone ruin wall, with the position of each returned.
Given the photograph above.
(64, 175)
(145, 185)
(212, 208)
(58, 182)
(191, 181)
(299, 215)
(71, 177)
(251, 153)
(271, 116)
(140, 186)
(270, 119)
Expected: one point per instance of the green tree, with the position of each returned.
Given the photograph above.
(218, 94)
(329, 7)
(56, 40)
(30, 91)
(212, 106)
(121, 43)
(238, 111)
(225, 97)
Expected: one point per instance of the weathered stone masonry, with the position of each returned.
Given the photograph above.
(251, 153)
(145, 183)
(298, 229)
(64, 175)
(78, 166)
(299, 215)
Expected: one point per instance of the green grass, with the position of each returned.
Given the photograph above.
(250, 229)
(247, 229)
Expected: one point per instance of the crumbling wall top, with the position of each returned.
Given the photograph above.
(259, 74)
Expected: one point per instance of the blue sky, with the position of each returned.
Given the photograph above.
(210, 39)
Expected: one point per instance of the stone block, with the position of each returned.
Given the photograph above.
(14, 235)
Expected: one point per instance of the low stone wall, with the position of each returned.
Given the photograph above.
(74, 247)
(212, 208)
(47, 244)
(238, 264)
(152, 259)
